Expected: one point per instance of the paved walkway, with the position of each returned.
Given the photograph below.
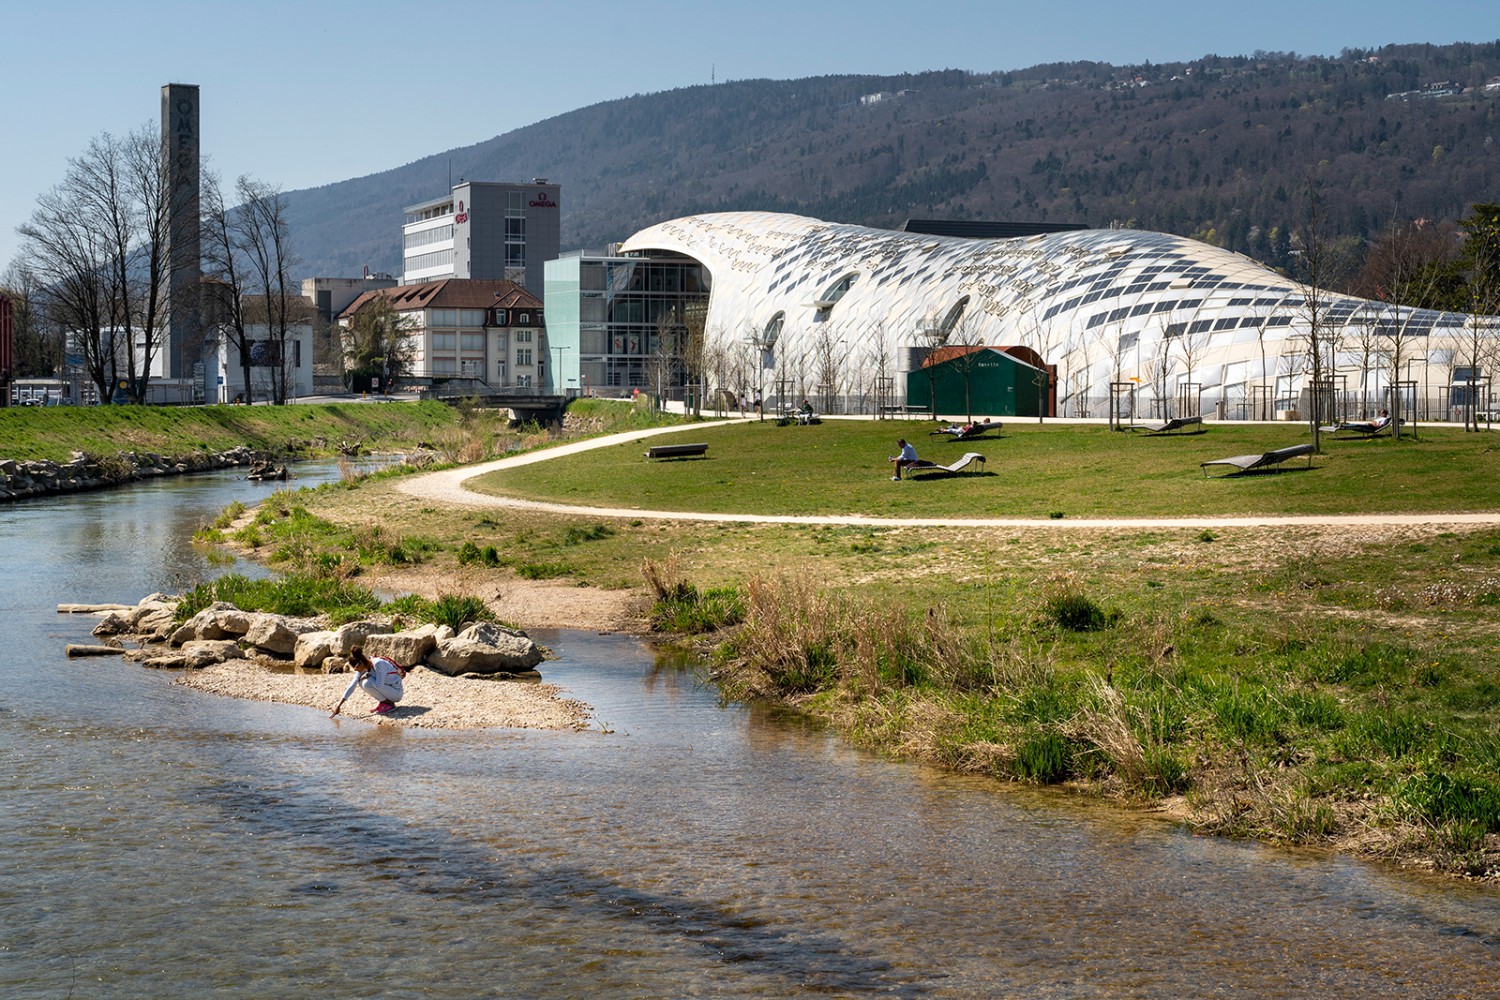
(447, 487)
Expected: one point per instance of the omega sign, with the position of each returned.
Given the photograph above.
(542, 201)
(462, 216)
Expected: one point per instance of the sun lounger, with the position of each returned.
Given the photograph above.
(970, 458)
(966, 432)
(1170, 426)
(1270, 460)
(1360, 428)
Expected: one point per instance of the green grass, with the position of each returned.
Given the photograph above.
(1033, 471)
(30, 433)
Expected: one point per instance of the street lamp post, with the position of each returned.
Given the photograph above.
(558, 379)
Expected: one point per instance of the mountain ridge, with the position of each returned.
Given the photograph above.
(1220, 149)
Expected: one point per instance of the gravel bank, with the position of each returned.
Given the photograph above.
(433, 700)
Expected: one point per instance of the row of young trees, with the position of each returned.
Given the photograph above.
(90, 284)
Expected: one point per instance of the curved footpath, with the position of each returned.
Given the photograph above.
(447, 487)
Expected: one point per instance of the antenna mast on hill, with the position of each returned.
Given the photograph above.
(712, 79)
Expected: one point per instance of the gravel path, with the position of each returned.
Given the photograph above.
(447, 487)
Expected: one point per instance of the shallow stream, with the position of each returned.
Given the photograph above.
(160, 842)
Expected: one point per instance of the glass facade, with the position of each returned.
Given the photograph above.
(620, 322)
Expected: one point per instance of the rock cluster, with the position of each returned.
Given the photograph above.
(222, 632)
(89, 472)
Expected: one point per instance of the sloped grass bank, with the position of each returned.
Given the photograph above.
(54, 433)
(1347, 700)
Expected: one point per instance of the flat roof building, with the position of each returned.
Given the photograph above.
(485, 231)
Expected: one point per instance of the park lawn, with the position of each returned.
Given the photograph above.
(1032, 471)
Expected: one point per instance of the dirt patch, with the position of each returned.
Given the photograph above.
(523, 603)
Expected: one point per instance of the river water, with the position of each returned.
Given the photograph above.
(161, 842)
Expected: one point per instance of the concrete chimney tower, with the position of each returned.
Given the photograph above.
(179, 138)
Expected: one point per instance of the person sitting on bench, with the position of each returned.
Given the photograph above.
(906, 459)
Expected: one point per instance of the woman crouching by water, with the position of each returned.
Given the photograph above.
(380, 678)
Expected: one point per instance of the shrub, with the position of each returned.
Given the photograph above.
(456, 611)
(577, 536)
(1077, 612)
(1045, 758)
(699, 613)
(1443, 797)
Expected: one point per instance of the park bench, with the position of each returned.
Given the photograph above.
(676, 450)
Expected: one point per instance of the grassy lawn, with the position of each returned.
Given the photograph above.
(1033, 471)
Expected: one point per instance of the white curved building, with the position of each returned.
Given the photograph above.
(1180, 324)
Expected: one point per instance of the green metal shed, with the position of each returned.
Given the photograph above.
(984, 381)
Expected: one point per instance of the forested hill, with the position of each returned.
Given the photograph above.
(1221, 149)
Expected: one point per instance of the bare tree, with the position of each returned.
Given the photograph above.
(227, 268)
(829, 358)
(1038, 335)
(123, 187)
(1481, 256)
(880, 362)
(1322, 262)
(1156, 371)
(1190, 345)
(72, 262)
(37, 349)
(265, 236)
(1408, 269)
(665, 360)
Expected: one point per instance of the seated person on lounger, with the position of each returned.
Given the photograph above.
(906, 459)
(1380, 423)
(804, 412)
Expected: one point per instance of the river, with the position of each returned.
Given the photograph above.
(161, 842)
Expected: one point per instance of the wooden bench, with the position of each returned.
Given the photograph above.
(676, 451)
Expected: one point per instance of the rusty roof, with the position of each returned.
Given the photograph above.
(450, 293)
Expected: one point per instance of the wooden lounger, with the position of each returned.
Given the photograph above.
(1267, 460)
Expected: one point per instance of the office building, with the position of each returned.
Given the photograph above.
(484, 231)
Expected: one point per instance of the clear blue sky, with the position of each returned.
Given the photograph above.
(308, 93)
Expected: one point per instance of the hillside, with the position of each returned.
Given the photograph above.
(1219, 149)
